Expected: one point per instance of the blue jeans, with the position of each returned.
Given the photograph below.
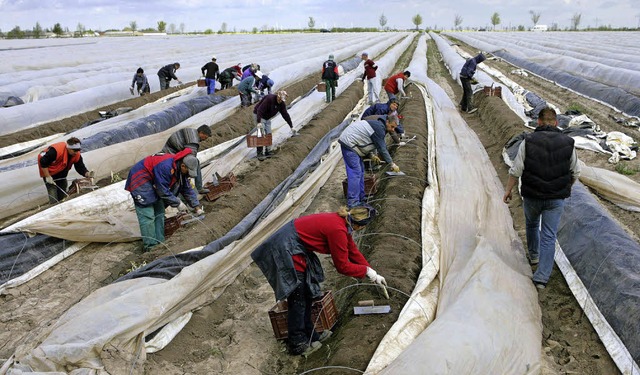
(355, 176)
(542, 217)
(211, 85)
(151, 221)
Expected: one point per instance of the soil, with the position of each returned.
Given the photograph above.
(233, 335)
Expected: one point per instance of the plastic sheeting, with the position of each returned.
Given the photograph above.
(483, 269)
(587, 74)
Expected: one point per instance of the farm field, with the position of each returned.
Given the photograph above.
(231, 333)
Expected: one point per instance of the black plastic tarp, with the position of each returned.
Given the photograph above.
(170, 266)
(607, 260)
(617, 97)
(20, 253)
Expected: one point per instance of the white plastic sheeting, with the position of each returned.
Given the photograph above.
(80, 79)
(24, 188)
(485, 278)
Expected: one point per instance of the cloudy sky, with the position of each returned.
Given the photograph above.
(199, 15)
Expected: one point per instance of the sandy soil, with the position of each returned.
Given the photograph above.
(233, 335)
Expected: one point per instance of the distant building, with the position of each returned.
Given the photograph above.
(539, 28)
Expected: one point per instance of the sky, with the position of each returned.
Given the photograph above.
(199, 15)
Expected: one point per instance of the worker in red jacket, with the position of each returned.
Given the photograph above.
(54, 164)
(369, 75)
(288, 261)
(395, 84)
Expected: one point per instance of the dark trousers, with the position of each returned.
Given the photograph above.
(58, 191)
(330, 89)
(299, 324)
(467, 96)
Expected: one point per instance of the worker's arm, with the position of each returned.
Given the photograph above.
(80, 167)
(338, 246)
(162, 180)
(378, 140)
(515, 172)
(285, 114)
(400, 83)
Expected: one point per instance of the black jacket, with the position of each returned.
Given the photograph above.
(547, 164)
(212, 70)
(168, 72)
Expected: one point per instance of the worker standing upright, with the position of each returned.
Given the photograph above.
(330, 77)
(211, 69)
(466, 78)
(369, 75)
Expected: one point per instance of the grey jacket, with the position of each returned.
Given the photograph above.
(273, 257)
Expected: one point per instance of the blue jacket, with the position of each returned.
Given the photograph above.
(469, 67)
(158, 177)
(381, 109)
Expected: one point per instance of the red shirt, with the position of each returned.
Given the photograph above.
(326, 233)
(370, 69)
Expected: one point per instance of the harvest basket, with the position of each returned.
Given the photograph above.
(255, 141)
(225, 184)
(323, 313)
(370, 185)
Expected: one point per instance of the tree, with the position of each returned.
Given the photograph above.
(57, 29)
(80, 29)
(162, 26)
(208, 31)
(182, 27)
(457, 21)
(495, 20)
(37, 30)
(417, 20)
(382, 20)
(312, 23)
(133, 25)
(172, 28)
(575, 21)
(535, 17)
(15, 33)
(223, 27)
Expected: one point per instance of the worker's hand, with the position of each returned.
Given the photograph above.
(259, 126)
(90, 174)
(394, 167)
(507, 197)
(474, 81)
(179, 82)
(199, 211)
(49, 180)
(375, 278)
(375, 159)
(182, 207)
(131, 90)
(294, 132)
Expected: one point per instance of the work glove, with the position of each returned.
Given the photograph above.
(131, 90)
(294, 132)
(49, 180)
(90, 174)
(375, 159)
(199, 211)
(474, 81)
(394, 167)
(182, 207)
(375, 278)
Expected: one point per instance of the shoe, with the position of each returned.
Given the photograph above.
(262, 157)
(472, 110)
(203, 191)
(305, 349)
(535, 261)
(540, 285)
(312, 348)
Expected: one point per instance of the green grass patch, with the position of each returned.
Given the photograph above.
(626, 169)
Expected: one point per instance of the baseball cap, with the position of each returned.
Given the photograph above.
(191, 163)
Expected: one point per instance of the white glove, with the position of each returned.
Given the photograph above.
(294, 133)
(90, 174)
(375, 278)
(49, 180)
(394, 167)
(402, 143)
(259, 126)
(182, 207)
(199, 211)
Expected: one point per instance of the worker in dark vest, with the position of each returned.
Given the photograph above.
(547, 165)
(330, 77)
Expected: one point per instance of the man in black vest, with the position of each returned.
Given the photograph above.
(548, 166)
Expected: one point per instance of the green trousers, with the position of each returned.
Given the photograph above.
(331, 89)
(151, 221)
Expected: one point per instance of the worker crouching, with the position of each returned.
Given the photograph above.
(288, 261)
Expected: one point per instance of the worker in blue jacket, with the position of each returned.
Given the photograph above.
(158, 180)
(385, 109)
(466, 77)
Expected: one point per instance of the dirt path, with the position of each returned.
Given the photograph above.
(569, 342)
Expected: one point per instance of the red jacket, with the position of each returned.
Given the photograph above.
(62, 161)
(370, 69)
(392, 84)
(326, 233)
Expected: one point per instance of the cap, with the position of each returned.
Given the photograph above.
(365, 53)
(259, 74)
(331, 57)
(213, 57)
(191, 163)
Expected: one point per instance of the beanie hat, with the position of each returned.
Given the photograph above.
(330, 57)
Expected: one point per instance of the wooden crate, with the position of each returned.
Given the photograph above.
(323, 313)
(201, 82)
(493, 91)
(255, 141)
(370, 185)
(172, 224)
(321, 87)
(225, 184)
